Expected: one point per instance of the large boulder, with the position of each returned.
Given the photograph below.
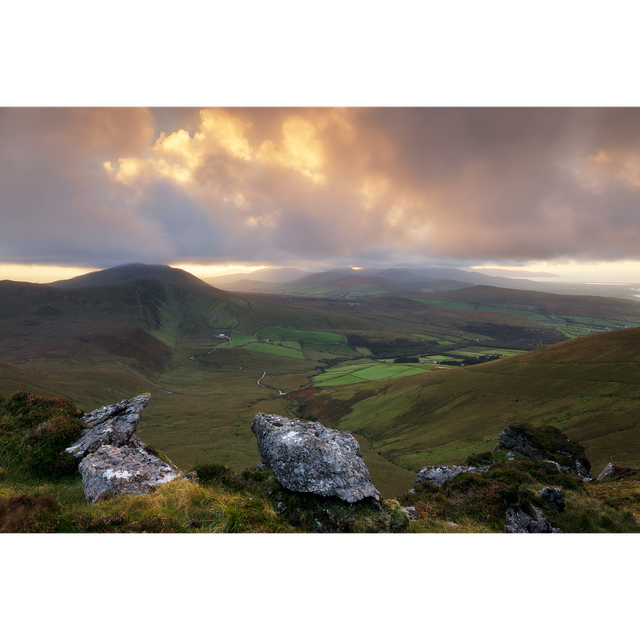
(309, 457)
(112, 471)
(114, 461)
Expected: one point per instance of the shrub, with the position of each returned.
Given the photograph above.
(34, 432)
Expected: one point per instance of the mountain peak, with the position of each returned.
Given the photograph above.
(128, 272)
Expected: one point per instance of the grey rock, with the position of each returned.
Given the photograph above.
(114, 424)
(609, 470)
(309, 457)
(411, 512)
(114, 461)
(520, 442)
(510, 439)
(518, 521)
(440, 474)
(112, 471)
(553, 495)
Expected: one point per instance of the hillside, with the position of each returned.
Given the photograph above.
(53, 480)
(588, 387)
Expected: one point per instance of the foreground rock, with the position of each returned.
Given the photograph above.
(309, 457)
(113, 424)
(518, 521)
(114, 461)
(553, 495)
(440, 474)
(113, 471)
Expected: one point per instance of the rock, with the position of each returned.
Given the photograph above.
(309, 457)
(114, 424)
(609, 470)
(440, 474)
(114, 461)
(546, 443)
(553, 495)
(518, 521)
(112, 471)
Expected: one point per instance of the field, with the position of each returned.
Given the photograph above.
(351, 374)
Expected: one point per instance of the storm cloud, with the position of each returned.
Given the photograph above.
(98, 187)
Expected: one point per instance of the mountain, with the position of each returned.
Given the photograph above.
(137, 313)
(285, 274)
(129, 272)
(344, 284)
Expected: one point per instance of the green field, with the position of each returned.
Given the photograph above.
(274, 350)
(433, 338)
(276, 334)
(485, 351)
(350, 374)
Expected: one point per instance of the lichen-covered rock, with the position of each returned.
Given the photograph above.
(112, 471)
(113, 424)
(309, 457)
(519, 521)
(440, 474)
(114, 461)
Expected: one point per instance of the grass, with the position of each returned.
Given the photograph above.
(588, 387)
(351, 374)
(273, 349)
(252, 501)
(319, 337)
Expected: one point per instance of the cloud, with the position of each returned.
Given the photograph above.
(97, 187)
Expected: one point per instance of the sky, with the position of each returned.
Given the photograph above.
(545, 189)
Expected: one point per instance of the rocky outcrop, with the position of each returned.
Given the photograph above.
(440, 474)
(113, 424)
(549, 444)
(519, 521)
(114, 461)
(309, 457)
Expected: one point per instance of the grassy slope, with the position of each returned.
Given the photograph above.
(543, 303)
(588, 387)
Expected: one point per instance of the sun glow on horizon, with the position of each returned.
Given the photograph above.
(213, 270)
(623, 271)
(40, 273)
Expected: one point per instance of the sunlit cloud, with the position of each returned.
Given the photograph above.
(94, 188)
(299, 149)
